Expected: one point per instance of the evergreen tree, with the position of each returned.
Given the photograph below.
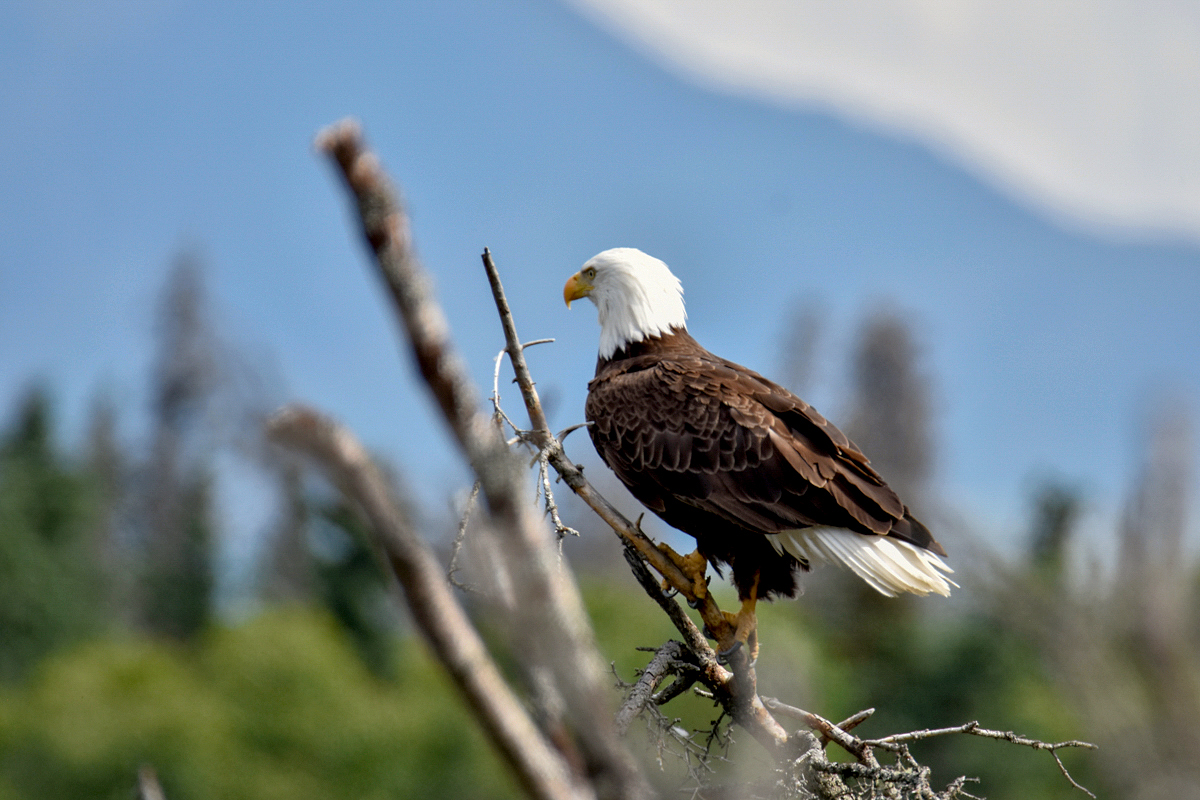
(176, 488)
(1056, 509)
(50, 582)
(890, 407)
(354, 588)
(888, 417)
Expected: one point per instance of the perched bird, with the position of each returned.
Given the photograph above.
(761, 480)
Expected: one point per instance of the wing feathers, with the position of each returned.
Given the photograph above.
(692, 435)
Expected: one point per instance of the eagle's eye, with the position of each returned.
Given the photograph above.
(590, 272)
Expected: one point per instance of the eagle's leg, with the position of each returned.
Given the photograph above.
(693, 566)
(745, 625)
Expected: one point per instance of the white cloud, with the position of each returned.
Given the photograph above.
(1089, 108)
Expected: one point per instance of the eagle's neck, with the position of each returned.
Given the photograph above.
(675, 342)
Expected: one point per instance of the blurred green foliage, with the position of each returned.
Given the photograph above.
(178, 579)
(280, 707)
(351, 584)
(50, 587)
(323, 698)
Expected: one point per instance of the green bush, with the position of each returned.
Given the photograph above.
(280, 707)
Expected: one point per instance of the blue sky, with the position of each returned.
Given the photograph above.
(136, 130)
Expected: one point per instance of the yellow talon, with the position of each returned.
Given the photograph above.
(745, 630)
(693, 566)
(745, 625)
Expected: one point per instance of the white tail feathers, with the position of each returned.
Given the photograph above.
(890, 566)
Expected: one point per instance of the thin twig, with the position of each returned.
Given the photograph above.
(561, 529)
(516, 353)
(1063, 769)
(854, 720)
(497, 411)
(822, 726)
(972, 728)
(543, 488)
(459, 538)
(567, 431)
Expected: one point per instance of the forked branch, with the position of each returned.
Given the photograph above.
(551, 631)
(868, 766)
(438, 615)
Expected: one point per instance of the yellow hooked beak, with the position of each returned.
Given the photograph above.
(578, 286)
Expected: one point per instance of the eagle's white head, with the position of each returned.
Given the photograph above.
(636, 295)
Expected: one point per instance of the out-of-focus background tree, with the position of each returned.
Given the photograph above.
(1016, 347)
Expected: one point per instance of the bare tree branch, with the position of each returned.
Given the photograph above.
(869, 767)
(692, 636)
(824, 727)
(551, 622)
(148, 786)
(439, 617)
(972, 728)
(660, 666)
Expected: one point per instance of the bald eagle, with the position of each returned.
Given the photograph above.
(763, 482)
